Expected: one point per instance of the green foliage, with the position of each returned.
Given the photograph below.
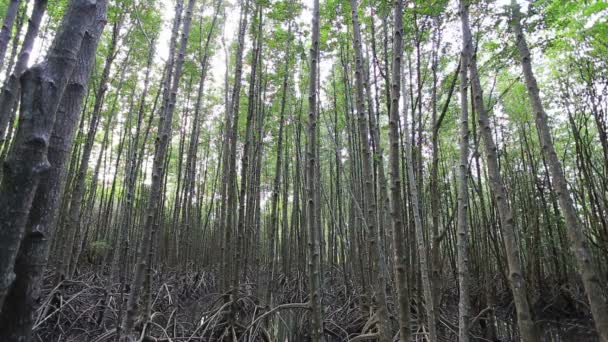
(515, 101)
(55, 10)
(284, 10)
(96, 251)
(578, 25)
(3, 7)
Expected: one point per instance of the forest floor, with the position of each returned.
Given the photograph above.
(186, 306)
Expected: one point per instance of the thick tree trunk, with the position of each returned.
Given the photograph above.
(42, 86)
(17, 319)
(73, 227)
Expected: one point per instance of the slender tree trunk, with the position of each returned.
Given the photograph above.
(189, 181)
(434, 185)
(10, 90)
(313, 208)
(158, 169)
(246, 174)
(7, 27)
(131, 171)
(369, 206)
(21, 16)
(296, 212)
(414, 184)
(464, 304)
(587, 267)
(229, 197)
(397, 205)
(527, 328)
(11, 61)
(278, 176)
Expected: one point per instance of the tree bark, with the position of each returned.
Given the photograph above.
(7, 27)
(370, 207)
(229, 196)
(587, 267)
(73, 226)
(17, 319)
(10, 90)
(312, 206)
(158, 172)
(42, 87)
(528, 330)
(246, 176)
(464, 304)
(276, 188)
(397, 206)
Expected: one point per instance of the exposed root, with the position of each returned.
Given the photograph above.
(189, 307)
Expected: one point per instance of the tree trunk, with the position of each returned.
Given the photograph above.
(73, 227)
(246, 173)
(229, 196)
(276, 188)
(42, 86)
(527, 328)
(587, 267)
(414, 183)
(158, 171)
(313, 208)
(397, 206)
(10, 90)
(464, 304)
(7, 28)
(17, 319)
(370, 205)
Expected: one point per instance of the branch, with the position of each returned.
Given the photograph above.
(479, 315)
(278, 308)
(447, 101)
(442, 234)
(365, 337)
